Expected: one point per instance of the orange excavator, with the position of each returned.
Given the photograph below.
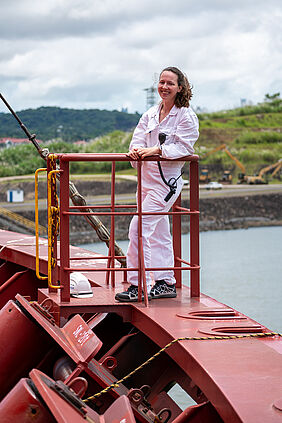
(274, 168)
(227, 176)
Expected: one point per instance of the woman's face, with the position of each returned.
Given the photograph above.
(168, 86)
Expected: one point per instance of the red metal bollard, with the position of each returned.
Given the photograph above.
(22, 405)
(23, 345)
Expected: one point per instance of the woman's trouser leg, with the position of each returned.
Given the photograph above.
(154, 227)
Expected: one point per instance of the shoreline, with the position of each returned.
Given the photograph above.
(233, 207)
(217, 213)
(243, 224)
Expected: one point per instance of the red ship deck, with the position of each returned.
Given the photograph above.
(240, 377)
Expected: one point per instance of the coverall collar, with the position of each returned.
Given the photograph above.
(172, 112)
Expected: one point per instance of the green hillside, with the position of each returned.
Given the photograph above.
(24, 159)
(253, 135)
(68, 124)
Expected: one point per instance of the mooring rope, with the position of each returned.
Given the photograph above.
(184, 338)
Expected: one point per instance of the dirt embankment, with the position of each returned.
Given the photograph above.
(216, 213)
(84, 187)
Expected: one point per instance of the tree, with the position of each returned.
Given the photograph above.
(273, 99)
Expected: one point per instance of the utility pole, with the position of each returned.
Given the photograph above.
(151, 96)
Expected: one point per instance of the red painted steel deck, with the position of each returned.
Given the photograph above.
(241, 377)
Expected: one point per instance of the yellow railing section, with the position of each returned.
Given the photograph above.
(53, 220)
(37, 226)
(53, 223)
(15, 217)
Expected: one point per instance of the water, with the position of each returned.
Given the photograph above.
(241, 268)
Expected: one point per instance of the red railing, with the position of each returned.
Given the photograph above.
(177, 212)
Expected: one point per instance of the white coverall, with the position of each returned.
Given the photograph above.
(182, 130)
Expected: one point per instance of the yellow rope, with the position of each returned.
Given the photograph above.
(185, 338)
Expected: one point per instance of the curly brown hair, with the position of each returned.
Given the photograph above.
(182, 98)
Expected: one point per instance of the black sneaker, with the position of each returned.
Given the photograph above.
(130, 296)
(161, 289)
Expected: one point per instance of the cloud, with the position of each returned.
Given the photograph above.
(102, 54)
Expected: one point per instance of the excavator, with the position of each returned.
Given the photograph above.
(242, 177)
(204, 176)
(274, 170)
(227, 176)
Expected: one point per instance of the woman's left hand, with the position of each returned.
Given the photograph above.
(148, 151)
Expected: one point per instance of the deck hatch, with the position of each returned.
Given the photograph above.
(234, 330)
(213, 314)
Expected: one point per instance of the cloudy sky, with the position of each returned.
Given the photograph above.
(103, 53)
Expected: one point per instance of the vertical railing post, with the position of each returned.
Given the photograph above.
(54, 271)
(139, 211)
(64, 231)
(194, 229)
(176, 236)
(111, 261)
(141, 263)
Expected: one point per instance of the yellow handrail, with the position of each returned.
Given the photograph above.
(36, 225)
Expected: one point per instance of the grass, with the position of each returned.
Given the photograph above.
(253, 135)
(268, 120)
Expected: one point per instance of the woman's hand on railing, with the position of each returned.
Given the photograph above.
(141, 152)
(133, 154)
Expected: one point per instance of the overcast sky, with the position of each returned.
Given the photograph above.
(103, 53)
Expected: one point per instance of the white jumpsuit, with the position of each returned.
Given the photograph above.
(182, 130)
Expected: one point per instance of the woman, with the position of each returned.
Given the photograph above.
(176, 125)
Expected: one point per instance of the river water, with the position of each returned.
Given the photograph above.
(241, 268)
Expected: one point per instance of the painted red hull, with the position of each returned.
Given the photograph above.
(230, 380)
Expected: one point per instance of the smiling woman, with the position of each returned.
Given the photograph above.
(173, 80)
(169, 130)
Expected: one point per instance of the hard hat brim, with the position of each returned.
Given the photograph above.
(81, 295)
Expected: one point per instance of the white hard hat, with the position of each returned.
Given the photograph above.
(80, 286)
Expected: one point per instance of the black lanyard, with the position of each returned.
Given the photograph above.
(172, 182)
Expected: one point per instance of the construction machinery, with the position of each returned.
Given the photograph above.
(274, 169)
(251, 180)
(204, 176)
(227, 176)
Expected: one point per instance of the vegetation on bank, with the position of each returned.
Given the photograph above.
(253, 134)
(272, 104)
(50, 123)
(24, 159)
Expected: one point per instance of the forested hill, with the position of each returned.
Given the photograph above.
(69, 124)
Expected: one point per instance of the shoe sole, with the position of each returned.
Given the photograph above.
(122, 300)
(156, 297)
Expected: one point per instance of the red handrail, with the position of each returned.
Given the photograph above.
(176, 213)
